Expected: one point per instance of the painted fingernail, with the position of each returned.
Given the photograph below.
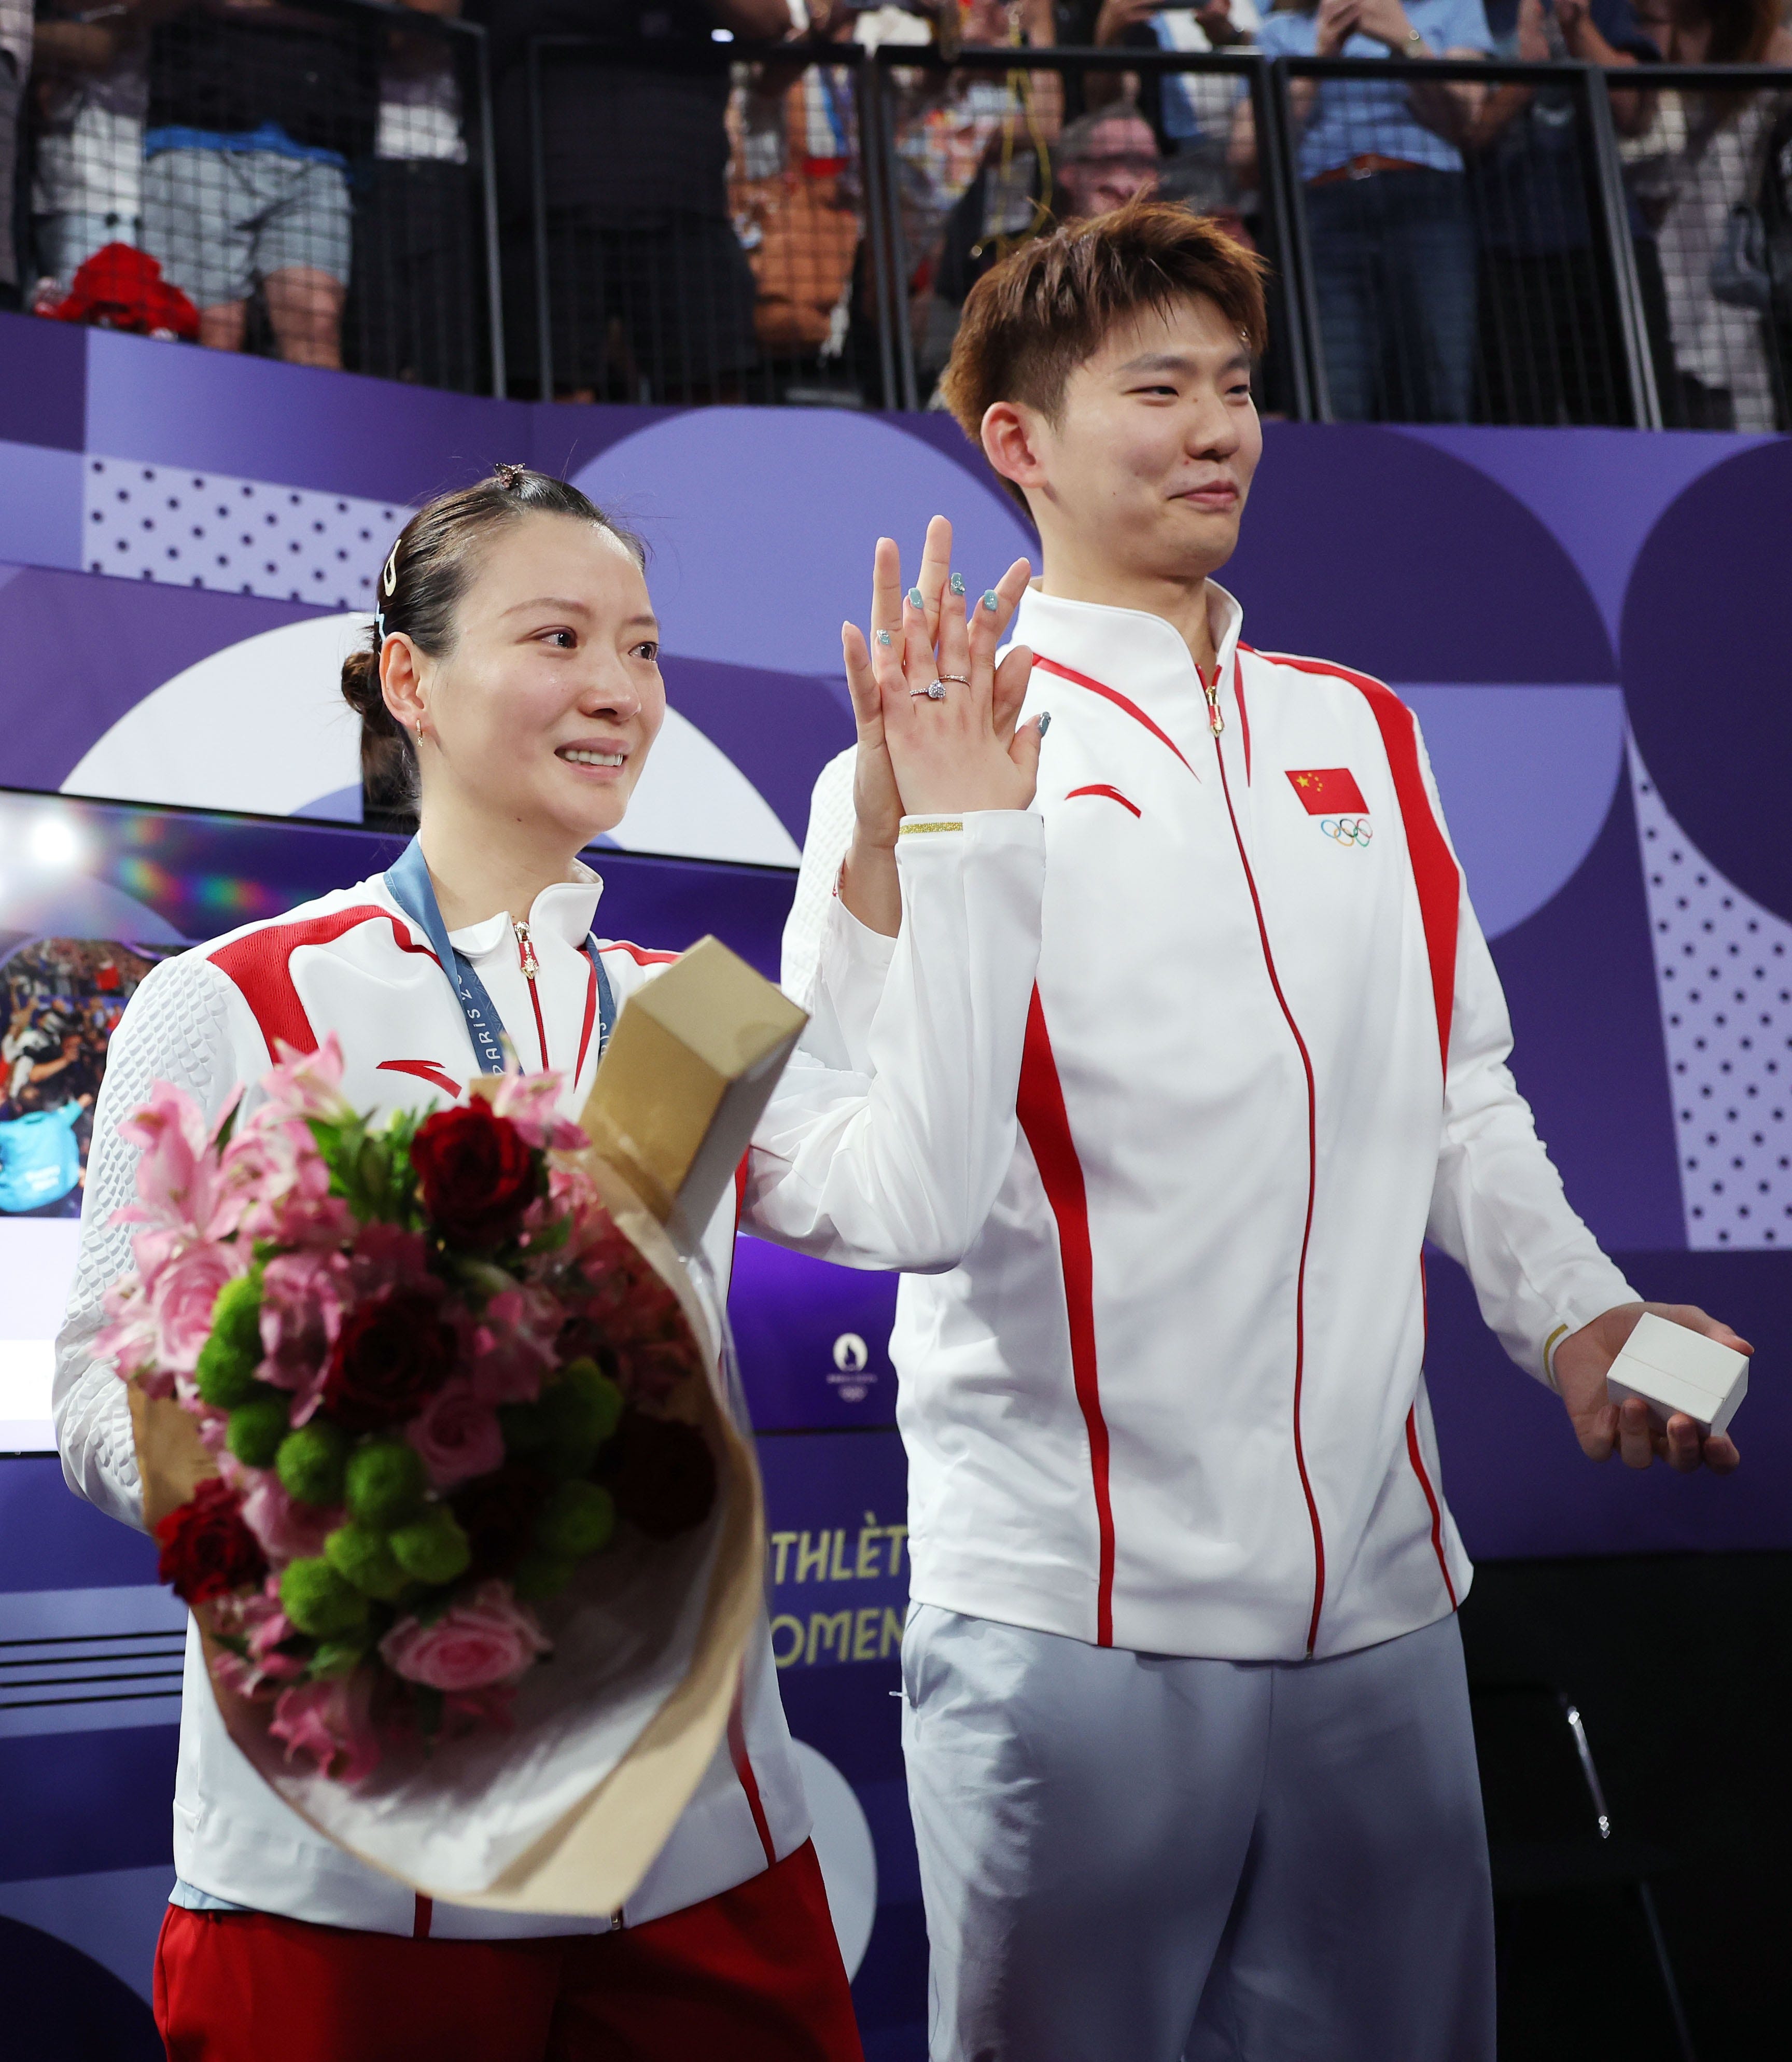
(884, 637)
(916, 598)
(990, 600)
(956, 583)
(1045, 722)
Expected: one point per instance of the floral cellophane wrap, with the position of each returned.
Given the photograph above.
(566, 1811)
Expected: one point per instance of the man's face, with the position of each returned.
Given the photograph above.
(1118, 163)
(1149, 462)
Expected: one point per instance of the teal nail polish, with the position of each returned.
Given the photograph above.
(884, 637)
(990, 600)
(916, 598)
(1044, 722)
(957, 583)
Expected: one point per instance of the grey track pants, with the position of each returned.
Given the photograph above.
(1141, 1858)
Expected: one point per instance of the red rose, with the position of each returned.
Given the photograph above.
(661, 1472)
(476, 1173)
(207, 1550)
(394, 1350)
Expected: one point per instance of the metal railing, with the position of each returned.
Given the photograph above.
(1449, 241)
(316, 183)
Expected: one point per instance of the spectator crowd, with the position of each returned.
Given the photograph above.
(675, 224)
(63, 998)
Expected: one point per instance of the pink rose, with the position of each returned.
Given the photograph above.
(491, 1638)
(303, 1297)
(287, 1530)
(457, 1434)
(513, 1345)
(331, 1723)
(184, 1289)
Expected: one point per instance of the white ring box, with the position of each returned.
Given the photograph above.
(1673, 1368)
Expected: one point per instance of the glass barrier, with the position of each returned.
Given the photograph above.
(308, 184)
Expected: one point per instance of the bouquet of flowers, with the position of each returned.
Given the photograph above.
(460, 1422)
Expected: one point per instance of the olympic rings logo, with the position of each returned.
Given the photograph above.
(1348, 830)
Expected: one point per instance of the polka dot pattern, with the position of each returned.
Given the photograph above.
(1723, 966)
(234, 536)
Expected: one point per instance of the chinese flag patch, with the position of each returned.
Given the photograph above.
(1326, 790)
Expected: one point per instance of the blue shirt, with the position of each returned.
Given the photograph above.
(1357, 117)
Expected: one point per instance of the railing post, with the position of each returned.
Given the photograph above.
(1303, 295)
(868, 91)
(885, 144)
(538, 217)
(1613, 217)
(488, 207)
(1278, 204)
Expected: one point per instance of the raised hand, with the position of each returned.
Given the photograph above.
(877, 805)
(942, 713)
(908, 631)
(1604, 1428)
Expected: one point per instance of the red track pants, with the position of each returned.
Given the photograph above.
(753, 1975)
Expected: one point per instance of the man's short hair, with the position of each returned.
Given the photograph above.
(1030, 321)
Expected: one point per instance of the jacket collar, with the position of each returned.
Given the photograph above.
(1139, 655)
(563, 910)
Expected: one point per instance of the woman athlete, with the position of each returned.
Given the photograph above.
(511, 682)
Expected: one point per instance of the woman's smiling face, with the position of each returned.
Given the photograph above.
(545, 708)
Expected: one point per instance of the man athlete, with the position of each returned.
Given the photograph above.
(1186, 1721)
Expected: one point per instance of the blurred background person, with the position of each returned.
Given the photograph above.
(414, 308)
(89, 91)
(1191, 112)
(1706, 154)
(1549, 349)
(1387, 202)
(651, 296)
(256, 112)
(1103, 159)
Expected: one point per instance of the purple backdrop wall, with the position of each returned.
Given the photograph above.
(1592, 626)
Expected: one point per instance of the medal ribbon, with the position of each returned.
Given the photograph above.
(410, 886)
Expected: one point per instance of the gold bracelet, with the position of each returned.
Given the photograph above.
(1550, 1346)
(931, 824)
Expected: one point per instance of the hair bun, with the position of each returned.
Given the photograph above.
(361, 688)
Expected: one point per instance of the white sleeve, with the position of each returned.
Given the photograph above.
(897, 1165)
(176, 1027)
(1497, 1206)
(830, 835)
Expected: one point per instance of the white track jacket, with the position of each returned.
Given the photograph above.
(894, 1171)
(1172, 1400)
